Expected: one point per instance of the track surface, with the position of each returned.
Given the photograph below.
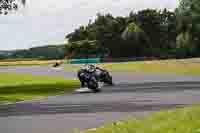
(134, 95)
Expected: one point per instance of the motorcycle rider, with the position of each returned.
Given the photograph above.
(90, 69)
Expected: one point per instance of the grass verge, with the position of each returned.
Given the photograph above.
(15, 87)
(5, 63)
(185, 120)
(160, 67)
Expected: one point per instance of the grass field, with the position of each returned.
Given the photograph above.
(190, 67)
(185, 120)
(15, 87)
(160, 67)
(26, 62)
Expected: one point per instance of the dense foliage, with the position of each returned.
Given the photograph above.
(147, 32)
(9, 5)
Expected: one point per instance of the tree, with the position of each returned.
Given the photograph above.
(184, 6)
(188, 27)
(195, 13)
(184, 15)
(136, 41)
(189, 24)
(184, 40)
(132, 31)
(149, 20)
(148, 32)
(84, 48)
(8, 5)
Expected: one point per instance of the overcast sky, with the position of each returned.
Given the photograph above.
(45, 22)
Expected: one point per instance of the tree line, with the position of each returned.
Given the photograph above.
(149, 32)
(39, 53)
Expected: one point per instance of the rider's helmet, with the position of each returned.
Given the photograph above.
(91, 68)
(84, 67)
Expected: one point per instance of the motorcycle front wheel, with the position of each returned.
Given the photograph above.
(109, 80)
(93, 86)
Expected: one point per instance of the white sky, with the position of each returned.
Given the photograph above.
(48, 21)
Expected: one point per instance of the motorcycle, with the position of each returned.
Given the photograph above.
(93, 77)
(57, 64)
(106, 77)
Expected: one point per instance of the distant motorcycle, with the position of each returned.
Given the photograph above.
(56, 64)
(93, 77)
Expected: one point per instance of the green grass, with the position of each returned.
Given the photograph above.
(160, 67)
(5, 63)
(177, 67)
(16, 65)
(15, 87)
(185, 120)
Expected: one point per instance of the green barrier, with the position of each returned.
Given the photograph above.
(85, 61)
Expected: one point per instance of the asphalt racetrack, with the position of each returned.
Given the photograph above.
(134, 95)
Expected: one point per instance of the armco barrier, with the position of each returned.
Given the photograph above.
(107, 60)
(85, 61)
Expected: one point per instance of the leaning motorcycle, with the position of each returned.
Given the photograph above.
(89, 79)
(92, 77)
